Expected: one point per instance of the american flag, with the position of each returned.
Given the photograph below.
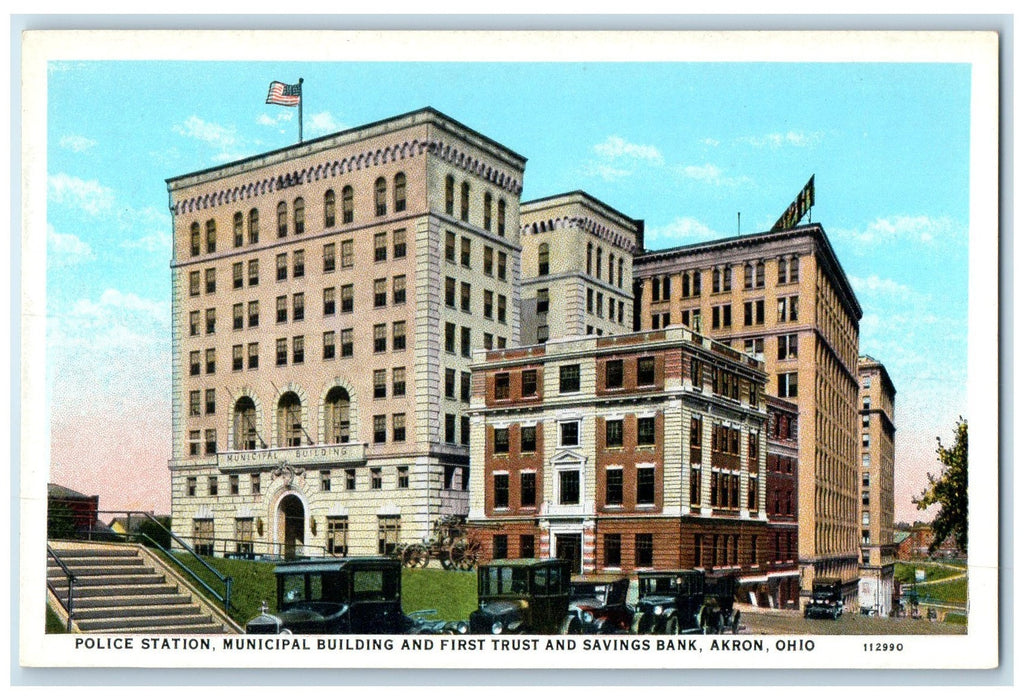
(284, 94)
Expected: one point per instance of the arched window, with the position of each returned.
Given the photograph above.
(254, 226)
(282, 220)
(329, 209)
(211, 236)
(245, 424)
(336, 416)
(239, 229)
(347, 208)
(289, 420)
(487, 211)
(449, 195)
(501, 217)
(464, 204)
(195, 237)
(400, 192)
(655, 289)
(542, 259)
(380, 196)
(300, 215)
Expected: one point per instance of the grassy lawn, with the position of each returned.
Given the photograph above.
(953, 592)
(451, 593)
(53, 623)
(904, 571)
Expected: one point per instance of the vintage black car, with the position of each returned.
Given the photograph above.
(524, 596)
(358, 595)
(673, 602)
(599, 601)
(826, 599)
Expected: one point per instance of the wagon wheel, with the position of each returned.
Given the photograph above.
(463, 555)
(415, 556)
(444, 555)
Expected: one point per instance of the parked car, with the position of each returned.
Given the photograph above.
(826, 599)
(357, 595)
(599, 601)
(673, 602)
(523, 596)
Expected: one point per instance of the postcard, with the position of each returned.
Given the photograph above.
(531, 350)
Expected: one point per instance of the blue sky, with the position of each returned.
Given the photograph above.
(684, 146)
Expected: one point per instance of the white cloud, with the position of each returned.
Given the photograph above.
(73, 142)
(87, 195)
(66, 249)
(118, 324)
(606, 172)
(617, 148)
(323, 123)
(710, 142)
(681, 231)
(878, 285)
(156, 242)
(709, 174)
(798, 139)
(902, 227)
(224, 138)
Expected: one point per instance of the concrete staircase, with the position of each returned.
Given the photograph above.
(123, 589)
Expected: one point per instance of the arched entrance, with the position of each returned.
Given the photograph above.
(291, 526)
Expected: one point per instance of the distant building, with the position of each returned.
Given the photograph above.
(878, 456)
(782, 296)
(914, 545)
(623, 453)
(781, 587)
(577, 268)
(84, 510)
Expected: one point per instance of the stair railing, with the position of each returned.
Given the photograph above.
(69, 604)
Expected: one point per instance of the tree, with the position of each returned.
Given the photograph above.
(60, 521)
(949, 491)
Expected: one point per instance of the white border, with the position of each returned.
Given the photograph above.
(977, 649)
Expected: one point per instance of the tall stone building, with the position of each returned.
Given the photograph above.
(782, 296)
(624, 453)
(577, 267)
(877, 465)
(327, 298)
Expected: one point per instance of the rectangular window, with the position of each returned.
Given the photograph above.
(613, 550)
(398, 381)
(787, 385)
(529, 381)
(346, 254)
(254, 273)
(465, 252)
(237, 276)
(237, 317)
(211, 443)
(325, 480)
(449, 428)
(528, 438)
(298, 349)
(346, 342)
(254, 314)
(403, 477)
(328, 345)
(211, 236)
(645, 371)
(568, 379)
(237, 358)
(329, 260)
(613, 374)
(501, 441)
(380, 337)
(645, 486)
(299, 263)
(193, 403)
(465, 344)
(282, 267)
(465, 386)
(569, 434)
(488, 261)
(645, 431)
(380, 429)
(465, 297)
(488, 304)
(501, 490)
(501, 386)
(389, 533)
(499, 543)
(281, 348)
(211, 360)
(613, 486)
(398, 289)
(528, 489)
(380, 247)
(380, 293)
(211, 398)
(449, 383)
(502, 311)
(193, 323)
(193, 284)
(346, 299)
(254, 355)
(502, 264)
(788, 346)
(337, 535)
(449, 338)
(380, 383)
(211, 281)
(526, 547)
(329, 301)
(298, 306)
(644, 550)
(350, 479)
(568, 487)
(449, 246)
(398, 427)
(282, 309)
(613, 433)
(399, 243)
(202, 536)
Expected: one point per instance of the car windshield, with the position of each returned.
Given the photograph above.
(374, 585)
(662, 585)
(312, 587)
(504, 580)
(598, 591)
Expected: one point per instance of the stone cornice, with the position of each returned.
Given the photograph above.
(583, 223)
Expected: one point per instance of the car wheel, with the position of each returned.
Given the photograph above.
(639, 624)
(672, 625)
(571, 625)
(704, 621)
(736, 622)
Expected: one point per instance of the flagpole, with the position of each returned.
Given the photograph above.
(300, 110)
